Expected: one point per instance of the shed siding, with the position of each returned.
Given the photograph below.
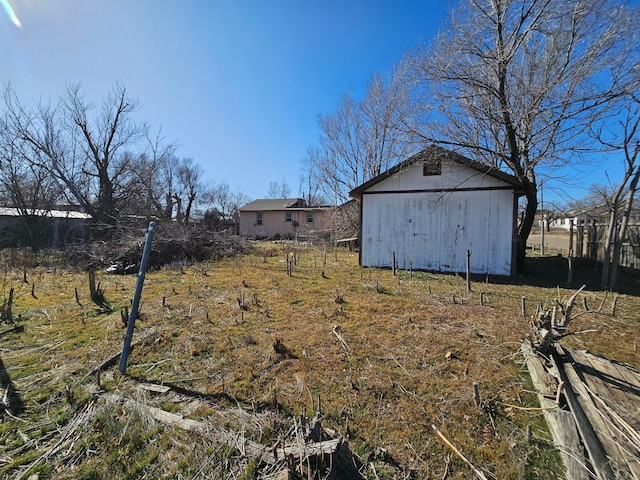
(433, 230)
(454, 176)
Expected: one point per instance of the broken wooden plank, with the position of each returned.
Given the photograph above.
(296, 451)
(578, 401)
(561, 422)
(616, 435)
(624, 376)
(152, 387)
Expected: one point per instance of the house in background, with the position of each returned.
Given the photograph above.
(588, 214)
(433, 207)
(283, 218)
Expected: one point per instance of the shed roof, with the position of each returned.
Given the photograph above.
(434, 152)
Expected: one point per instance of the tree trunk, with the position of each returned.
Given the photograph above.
(611, 240)
(187, 211)
(608, 241)
(178, 208)
(622, 233)
(106, 208)
(531, 194)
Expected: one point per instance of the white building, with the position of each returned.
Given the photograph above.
(430, 209)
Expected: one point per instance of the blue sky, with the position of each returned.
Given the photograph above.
(238, 84)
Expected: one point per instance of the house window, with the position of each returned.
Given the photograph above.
(431, 167)
(288, 217)
(258, 219)
(309, 217)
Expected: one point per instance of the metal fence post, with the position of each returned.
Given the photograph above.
(136, 299)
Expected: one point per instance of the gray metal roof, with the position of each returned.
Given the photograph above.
(14, 212)
(270, 204)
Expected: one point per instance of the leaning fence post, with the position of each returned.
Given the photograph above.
(468, 271)
(136, 299)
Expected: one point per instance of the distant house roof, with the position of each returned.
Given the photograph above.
(594, 211)
(15, 212)
(434, 152)
(267, 204)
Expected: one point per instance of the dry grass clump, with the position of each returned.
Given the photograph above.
(251, 342)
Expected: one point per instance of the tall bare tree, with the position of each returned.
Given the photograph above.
(279, 190)
(189, 187)
(102, 141)
(621, 201)
(363, 138)
(23, 186)
(87, 151)
(517, 83)
(223, 204)
(311, 181)
(152, 181)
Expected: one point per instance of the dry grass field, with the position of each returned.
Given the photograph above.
(250, 350)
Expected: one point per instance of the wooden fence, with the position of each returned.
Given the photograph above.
(588, 237)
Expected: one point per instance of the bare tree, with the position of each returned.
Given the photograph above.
(279, 190)
(311, 183)
(22, 184)
(25, 187)
(621, 200)
(84, 150)
(102, 141)
(517, 83)
(223, 205)
(364, 138)
(188, 188)
(153, 178)
(39, 137)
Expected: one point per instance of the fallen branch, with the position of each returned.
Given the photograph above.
(566, 309)
(269, 455)
(475, 469)
(580, 332)
(17, 328)
(344, 344)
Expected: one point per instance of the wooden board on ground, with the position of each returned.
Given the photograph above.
(610, 399)
(561, 422)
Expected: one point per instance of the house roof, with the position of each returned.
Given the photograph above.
(14, 212)
(266, 204)
(434, 152)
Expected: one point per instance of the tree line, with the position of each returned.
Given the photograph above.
(526, 86)
(71, 153)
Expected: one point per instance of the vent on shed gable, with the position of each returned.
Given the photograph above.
(432, 167)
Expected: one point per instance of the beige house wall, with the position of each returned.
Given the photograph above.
(274, 223)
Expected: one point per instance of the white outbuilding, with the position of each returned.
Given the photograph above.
(432, 208)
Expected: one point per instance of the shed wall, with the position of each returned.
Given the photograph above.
(454, 176)
(434, 230)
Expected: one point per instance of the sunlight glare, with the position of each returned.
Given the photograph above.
(12, 15)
